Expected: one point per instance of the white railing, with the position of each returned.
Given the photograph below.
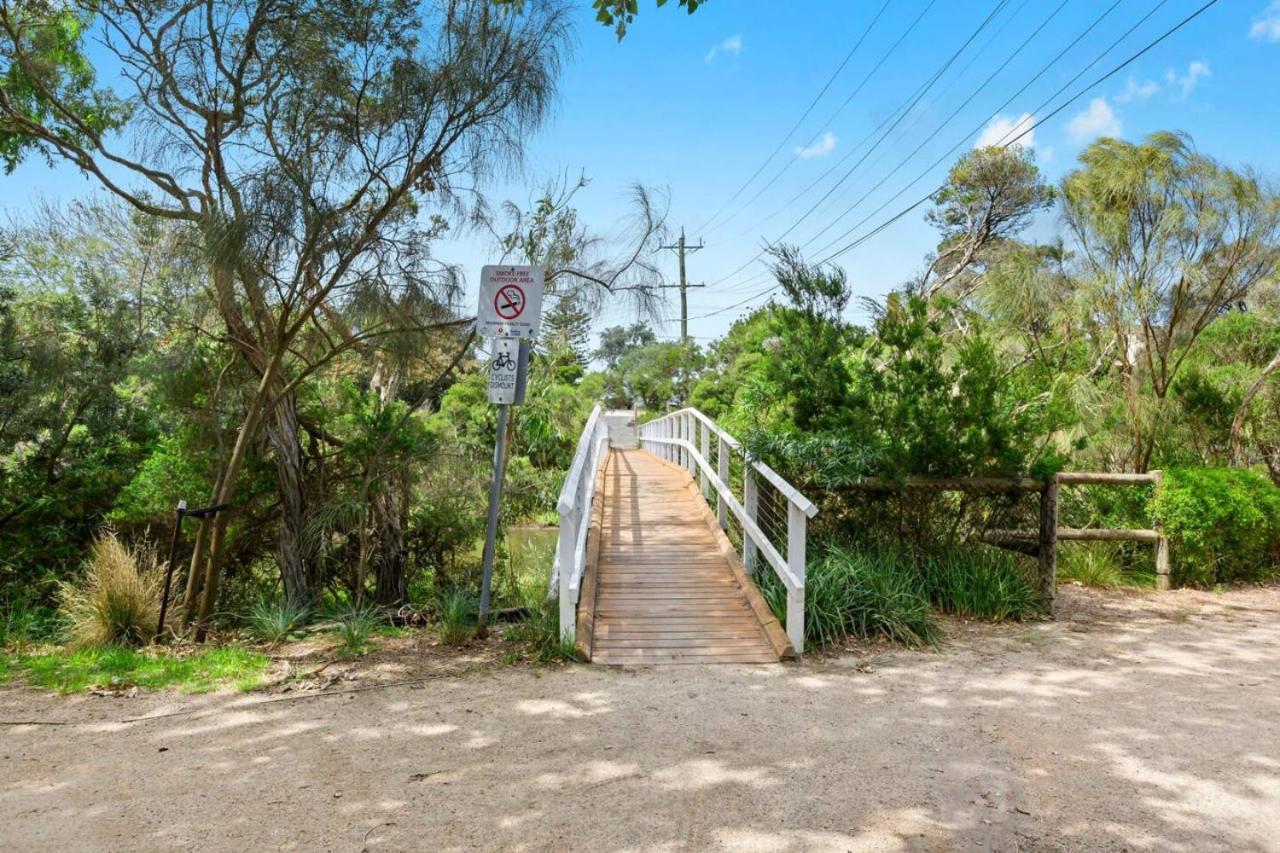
(684, 438)
(574, 507)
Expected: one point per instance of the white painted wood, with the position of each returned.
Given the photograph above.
(684, 437)
(751, 504)
(797, 523)
(722, 468)
(574, 507)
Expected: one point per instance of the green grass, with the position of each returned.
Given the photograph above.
(114, 666)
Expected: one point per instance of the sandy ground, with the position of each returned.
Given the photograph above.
(1134, 722)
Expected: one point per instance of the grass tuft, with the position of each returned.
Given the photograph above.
(354, 627)
(117, 602)
(273, 620)
(457, 617)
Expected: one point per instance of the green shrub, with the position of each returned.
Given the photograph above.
(272, 619)
(1223, 524)
(118, 599)
(540, 634)
(979, 583)
(24, 621)
(858, 593)
(457, 617)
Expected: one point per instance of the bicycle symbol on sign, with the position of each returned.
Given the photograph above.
(504, 361)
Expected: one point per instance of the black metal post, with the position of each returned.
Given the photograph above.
(168, 572)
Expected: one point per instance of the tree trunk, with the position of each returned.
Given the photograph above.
(282, 433)
(1237, 423)
(392, 582)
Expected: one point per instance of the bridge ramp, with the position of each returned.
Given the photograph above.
(668, 588)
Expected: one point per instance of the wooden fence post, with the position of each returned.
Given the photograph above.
(1163, 583)
(1048, 548)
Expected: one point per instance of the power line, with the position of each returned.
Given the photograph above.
(913, 101)
(1083, 91)
(799, 121)
(831, 118)
(1002, 141)
(1079, 94)
(977, 91)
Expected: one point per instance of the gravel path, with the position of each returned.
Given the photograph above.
(1134, 722)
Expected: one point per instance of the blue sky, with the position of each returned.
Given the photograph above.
(693, 105)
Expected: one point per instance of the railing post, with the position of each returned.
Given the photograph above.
(722, 469)
(1048, 544)
(1162, 544)
(706, 454)
(691, 436)
(750, 503)
(568, 558)
(797, 522)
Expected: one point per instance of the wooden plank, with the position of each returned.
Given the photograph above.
(664, 591)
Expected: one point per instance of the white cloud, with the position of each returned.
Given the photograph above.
(1098, 119)
(1136, 90)
(1267, 25)
(1186, 83)
(821, 148)
(1002, 128)
(731, 45)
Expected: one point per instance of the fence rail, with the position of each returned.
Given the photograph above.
(691, 440)
(574, 506)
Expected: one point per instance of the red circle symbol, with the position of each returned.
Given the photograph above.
(509, 301)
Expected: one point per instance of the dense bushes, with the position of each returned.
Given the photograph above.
(1223, 524)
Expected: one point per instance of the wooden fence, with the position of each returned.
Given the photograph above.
(1043, 542)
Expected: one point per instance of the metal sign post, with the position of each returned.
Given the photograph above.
(510, 309)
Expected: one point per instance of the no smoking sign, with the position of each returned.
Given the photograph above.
(510, 301)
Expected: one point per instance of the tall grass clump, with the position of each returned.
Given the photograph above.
(117, 601)
(979, 583)
(457, 617)
(272, 619)
(1095, 564)
(354, 626)
(861, 593)
(24, 622)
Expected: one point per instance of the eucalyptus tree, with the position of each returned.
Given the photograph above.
(302, 143)
(1164, 240)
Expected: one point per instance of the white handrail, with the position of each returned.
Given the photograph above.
(675, 437)
(574, 506)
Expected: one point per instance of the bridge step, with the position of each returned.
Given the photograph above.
(665, 592)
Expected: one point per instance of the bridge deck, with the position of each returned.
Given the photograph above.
(665, 590)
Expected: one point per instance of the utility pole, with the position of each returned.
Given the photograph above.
(682, 248)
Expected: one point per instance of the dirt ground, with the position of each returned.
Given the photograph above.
(1134, 722)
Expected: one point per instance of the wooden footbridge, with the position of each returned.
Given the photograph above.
(662, 531)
